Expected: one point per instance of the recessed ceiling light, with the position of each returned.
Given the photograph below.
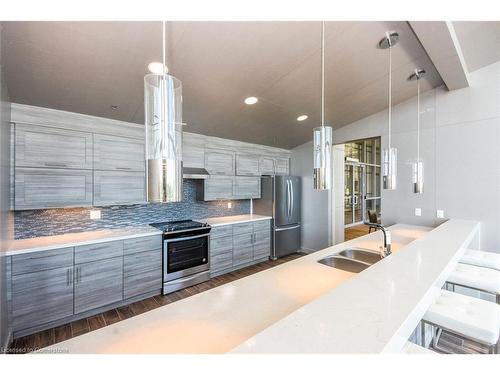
(157, 68)
(114, 107)
(302, 118)
(251, 100)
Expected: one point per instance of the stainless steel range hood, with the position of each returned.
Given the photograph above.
(194, 173)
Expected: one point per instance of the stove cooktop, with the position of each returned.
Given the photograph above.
(180, 225)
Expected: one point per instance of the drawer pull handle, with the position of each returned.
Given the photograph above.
(124, 168)
(55, 165)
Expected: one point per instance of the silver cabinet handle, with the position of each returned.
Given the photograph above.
(77, 275)
(67, 277)
(55, 165)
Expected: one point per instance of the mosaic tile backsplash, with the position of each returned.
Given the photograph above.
(37, 223)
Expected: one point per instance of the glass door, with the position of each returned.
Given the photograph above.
(354, 194)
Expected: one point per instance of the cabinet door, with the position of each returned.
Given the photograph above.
(40, 146)
(282, 166)
(247, 187)
(41, 297)
(266, 166)
(119, 187)
(98, 284)
(48, 188)
(242, 249)
(219, 162)
(193, 151)
(247, 165)
(218, 188)
(261, 244)
(142, 273)
(118, 153)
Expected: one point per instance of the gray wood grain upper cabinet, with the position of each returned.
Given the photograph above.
(142, 266)
(218, 162)
(266, 166)
(48, 188)
(41, 287)
(118, 153)
(40, 146)
(119, 187)
(282, 166)
(193, 152)
(216, 188)
(247, 165)
(246, 187)
(98, 283)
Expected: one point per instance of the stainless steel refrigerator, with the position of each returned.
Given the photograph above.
(280, 198)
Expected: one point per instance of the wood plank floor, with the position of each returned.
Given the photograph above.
(55, 335)
(355, 232)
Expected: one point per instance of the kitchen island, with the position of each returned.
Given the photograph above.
(301, 306)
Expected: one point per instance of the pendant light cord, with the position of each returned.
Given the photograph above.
(323, 73)
(390, 89)
(418, 119)
(163, 45)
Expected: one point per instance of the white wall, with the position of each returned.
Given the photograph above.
(460, 147)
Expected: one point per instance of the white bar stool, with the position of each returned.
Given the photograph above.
(465, 316)
(411, 348)
(481, 259)
(482, 279)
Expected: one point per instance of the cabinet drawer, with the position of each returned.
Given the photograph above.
(221, 231)
(51, 188)
(42, 260)
(40, 146)
(221, 262)
(242, 255)
(118, 153)
(140, 244)
(98, 251)
(147, 261)
(221, 245)
(262, 225)
(242, 228)
(41, 297)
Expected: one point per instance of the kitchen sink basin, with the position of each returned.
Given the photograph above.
(344, 264)
(364, 255)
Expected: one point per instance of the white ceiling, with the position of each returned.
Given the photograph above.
(86, 67)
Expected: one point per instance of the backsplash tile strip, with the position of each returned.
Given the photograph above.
(49, 222)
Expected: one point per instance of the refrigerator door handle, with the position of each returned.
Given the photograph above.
(291, 194)
(286, 228)
(288, 198)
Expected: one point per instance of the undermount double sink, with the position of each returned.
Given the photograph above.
(354, 259)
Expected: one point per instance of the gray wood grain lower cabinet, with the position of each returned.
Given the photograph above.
(51, 188)
(218, 162)
(247, 165)
(119, 187)
(41, 297)
(242, 249)
(42, 260)
(142, 273)
(246, 187)
(98, 284)
(118, 153)
(40, 146)
(262, 244)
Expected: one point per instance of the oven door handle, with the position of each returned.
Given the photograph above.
(186, 238)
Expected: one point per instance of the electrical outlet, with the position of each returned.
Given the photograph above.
(95, 214)
(440, 214)
(418, 212)
(229, 204)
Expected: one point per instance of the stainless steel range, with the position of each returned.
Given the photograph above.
(186, 253)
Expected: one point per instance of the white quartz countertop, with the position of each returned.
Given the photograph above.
(225, 220)
(77, 239)
(85, 238)
(300, 306)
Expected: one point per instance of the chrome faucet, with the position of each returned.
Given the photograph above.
(387, 238)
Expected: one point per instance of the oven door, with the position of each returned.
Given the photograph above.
(185, 256)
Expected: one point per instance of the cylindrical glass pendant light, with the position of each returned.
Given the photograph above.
(389, 154)
(163, 120)
(418, 164)
(322, 136)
